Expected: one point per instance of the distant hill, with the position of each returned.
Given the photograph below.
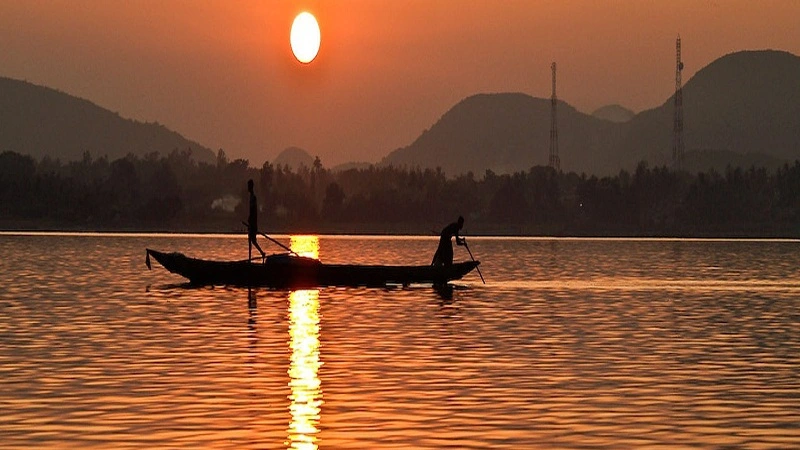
(294, 157)
(614, 113)
(40, 121)
(505, 133)
(745, 103)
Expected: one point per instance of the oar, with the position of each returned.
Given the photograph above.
(273, 240)
(281, 245)
(473, 259)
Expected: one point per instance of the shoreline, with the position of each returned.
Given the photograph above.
(493, 232)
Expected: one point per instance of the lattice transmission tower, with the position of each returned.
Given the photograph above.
(555, 161)
(677, 124)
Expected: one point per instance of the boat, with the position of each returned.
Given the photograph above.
(285, 271)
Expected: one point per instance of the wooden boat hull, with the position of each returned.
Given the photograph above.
(288, 271)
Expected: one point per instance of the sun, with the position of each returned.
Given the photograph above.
(305, 37)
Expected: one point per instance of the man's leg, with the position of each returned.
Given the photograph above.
(254, 242)
(263, 255)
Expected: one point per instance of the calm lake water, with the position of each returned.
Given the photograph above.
(571, 343)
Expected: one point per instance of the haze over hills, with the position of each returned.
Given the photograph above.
(741, 109)
(745, 103)
(40, 121)
(294, 157)
(614, 113)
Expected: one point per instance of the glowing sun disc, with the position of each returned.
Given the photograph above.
(305, 37)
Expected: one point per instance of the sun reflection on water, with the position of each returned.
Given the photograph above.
(306, 390)
(305, 245)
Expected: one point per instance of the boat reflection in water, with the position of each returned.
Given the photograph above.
(304, 382)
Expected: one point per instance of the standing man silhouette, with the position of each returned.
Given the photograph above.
(444, 253)
(252, 220)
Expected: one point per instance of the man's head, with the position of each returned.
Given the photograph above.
(460, 222)
(250, 185)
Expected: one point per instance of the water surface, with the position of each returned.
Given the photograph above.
(572, 343)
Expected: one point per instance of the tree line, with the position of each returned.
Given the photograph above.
(176, 193)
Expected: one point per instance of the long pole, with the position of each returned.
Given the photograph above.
(273, 240)
(473, 259)
(278, 243)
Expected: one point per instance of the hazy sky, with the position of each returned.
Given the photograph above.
(221, 72)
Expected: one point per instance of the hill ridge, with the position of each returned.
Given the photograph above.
(741, 103)
(42, 121)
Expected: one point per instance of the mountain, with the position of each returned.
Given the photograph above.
(505, 133)
(40, 121)
(614, 113)
(294, 157)
(745, 103)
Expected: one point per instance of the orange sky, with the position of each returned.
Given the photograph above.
(221, 72)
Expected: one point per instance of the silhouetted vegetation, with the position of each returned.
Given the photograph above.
(177, 193)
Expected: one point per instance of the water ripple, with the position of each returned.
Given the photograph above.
(571, 344)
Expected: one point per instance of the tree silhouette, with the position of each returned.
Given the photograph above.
(174, 192)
